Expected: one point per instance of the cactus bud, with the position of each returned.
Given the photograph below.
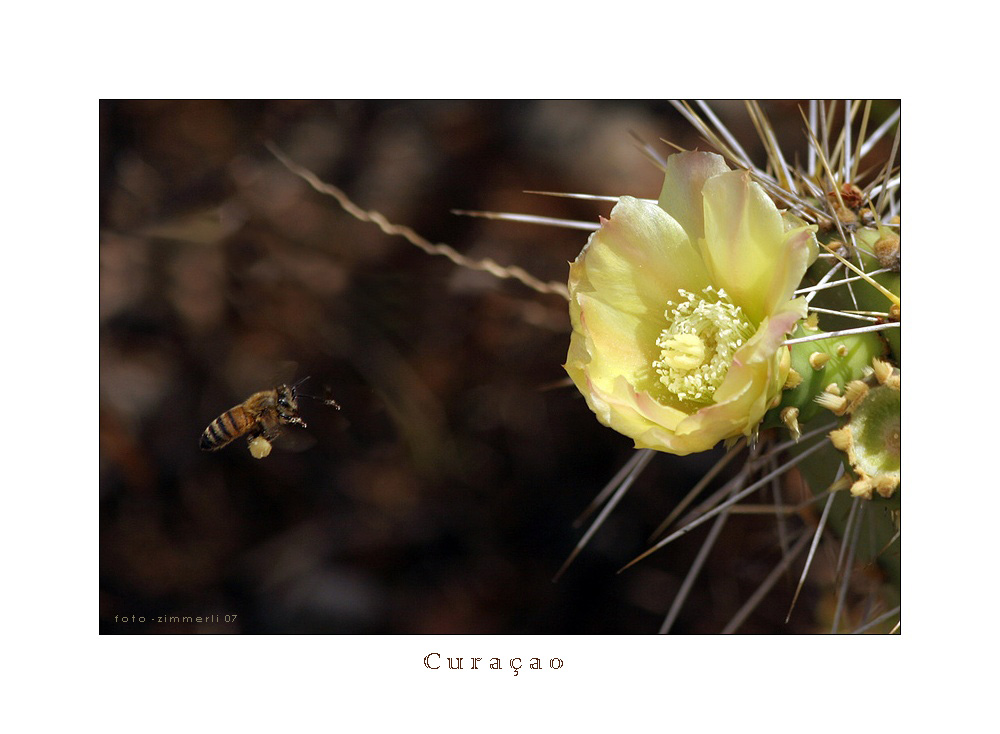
(871, 436)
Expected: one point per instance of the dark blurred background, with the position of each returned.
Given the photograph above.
(441, 498)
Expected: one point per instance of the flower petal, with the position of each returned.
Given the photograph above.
(638, 260)
(744, 239)
(763, 345)
(618, 343)
(800, 250)
(683, 182)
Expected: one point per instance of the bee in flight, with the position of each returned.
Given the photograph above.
(260, 418)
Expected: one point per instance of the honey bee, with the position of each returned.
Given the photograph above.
(260, 418)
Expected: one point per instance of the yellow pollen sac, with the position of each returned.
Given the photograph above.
(683, 352)
(260, 447)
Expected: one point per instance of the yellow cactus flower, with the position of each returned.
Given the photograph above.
(679, 309)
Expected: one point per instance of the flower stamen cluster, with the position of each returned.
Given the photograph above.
(699, 343)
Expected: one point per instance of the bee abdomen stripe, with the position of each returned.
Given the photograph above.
(232, 429)
(217, 434)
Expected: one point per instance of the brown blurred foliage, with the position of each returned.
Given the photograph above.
(440, 499)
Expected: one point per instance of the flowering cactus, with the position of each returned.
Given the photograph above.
(679, 308)
(713, 363)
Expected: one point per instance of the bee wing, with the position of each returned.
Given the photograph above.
(294, 438)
